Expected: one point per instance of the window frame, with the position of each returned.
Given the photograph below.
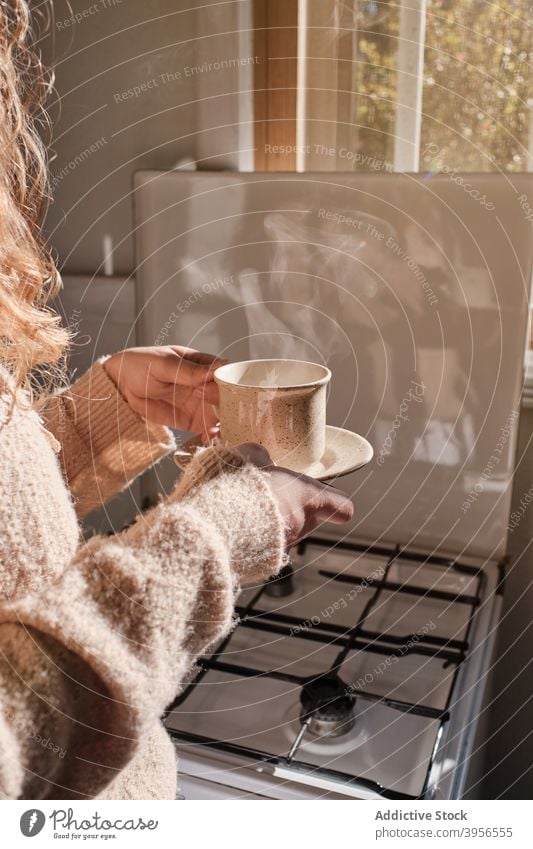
(275, 84)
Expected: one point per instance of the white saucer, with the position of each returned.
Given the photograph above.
(345, 452)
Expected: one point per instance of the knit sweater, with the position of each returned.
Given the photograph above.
(97, 638)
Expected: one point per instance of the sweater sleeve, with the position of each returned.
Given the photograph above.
(94, 659)
(104, 443)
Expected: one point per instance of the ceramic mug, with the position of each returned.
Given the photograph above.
(280, 404)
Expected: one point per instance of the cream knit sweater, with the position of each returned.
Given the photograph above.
(97, 638)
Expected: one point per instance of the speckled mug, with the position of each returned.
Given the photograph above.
(280, 404)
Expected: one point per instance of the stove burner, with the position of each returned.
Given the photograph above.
(327, 707)
(282, 584)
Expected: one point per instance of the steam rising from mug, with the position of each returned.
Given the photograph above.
(318, 268)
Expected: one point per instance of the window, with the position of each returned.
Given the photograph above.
(394, 84)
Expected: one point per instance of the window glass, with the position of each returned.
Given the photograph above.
(477, 93)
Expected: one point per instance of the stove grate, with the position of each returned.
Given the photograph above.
(355, 638)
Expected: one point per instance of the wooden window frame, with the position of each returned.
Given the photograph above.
(275, 84)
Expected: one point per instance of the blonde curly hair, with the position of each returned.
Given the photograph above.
(31, 337)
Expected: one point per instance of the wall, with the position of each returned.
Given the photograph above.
(140, 85)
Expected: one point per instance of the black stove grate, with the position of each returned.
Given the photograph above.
(451, 651)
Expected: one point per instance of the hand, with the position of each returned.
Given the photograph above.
(303, 502)
(169, 385)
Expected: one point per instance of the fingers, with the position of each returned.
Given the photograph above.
(198, 366)
(328, 503)
(158, 412)
(336, 505)
(204, 421)
(188, 373)
(207, 393)
(336, 514)
(191, 368)
(210, 433)
(310, 524)
(199, 357)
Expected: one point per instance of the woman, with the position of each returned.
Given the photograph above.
(97, 638)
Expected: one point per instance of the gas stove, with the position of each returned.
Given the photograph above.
(342, 678)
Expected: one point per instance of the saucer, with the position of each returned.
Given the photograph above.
(345, 452)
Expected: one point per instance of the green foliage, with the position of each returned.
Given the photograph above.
(477, 93)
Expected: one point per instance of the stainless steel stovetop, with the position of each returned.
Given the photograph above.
(354, 674)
